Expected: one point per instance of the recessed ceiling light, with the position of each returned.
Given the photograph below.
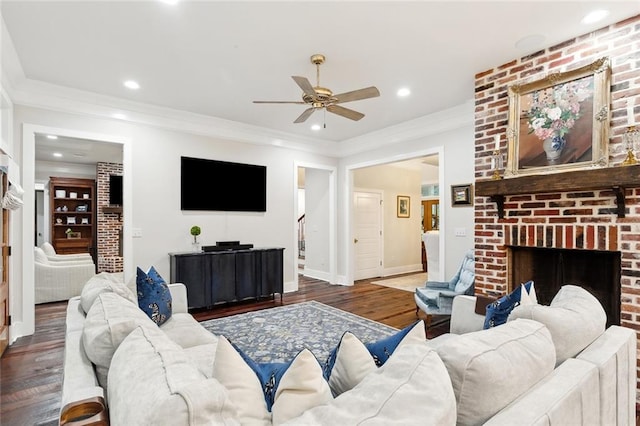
(130, 84)
(595, 16)
(52, 137)
(119, 116)
(316, 127)
(403, 92)
(57, 154)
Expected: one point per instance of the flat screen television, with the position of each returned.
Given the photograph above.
(212, 185)
(115, 190)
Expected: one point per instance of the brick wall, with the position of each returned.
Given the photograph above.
(109, 224)
(585, 219)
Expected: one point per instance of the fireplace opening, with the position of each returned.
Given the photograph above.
(599, 272)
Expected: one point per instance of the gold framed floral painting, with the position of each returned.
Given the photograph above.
(561, 122)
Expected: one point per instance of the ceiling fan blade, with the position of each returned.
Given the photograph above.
(356, 95)
(345, 112)
(303, 117)
(279, 102)
(304, 85)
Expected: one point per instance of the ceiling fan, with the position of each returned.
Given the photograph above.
(319, 97)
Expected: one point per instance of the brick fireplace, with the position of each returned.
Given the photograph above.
(601, 213)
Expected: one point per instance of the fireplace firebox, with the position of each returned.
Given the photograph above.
(597, 271)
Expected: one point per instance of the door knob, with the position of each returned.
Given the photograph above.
(355, 240)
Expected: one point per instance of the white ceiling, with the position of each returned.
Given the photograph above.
(214, 58)
(76, 151)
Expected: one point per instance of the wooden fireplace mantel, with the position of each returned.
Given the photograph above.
(613, 178)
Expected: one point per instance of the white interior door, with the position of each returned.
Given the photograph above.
(367, 234)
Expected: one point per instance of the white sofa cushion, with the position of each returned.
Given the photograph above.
(352, 359)
(614, 354)
(567, 396)
(574, 317)
(299, 385)
(152, 381)
(110, 319)
(104, 282)
(491, 368)
(184, 330)
(411, 388)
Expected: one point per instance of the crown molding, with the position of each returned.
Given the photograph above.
(432, 124)
(38, 94)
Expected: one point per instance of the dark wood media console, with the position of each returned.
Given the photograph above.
(228, 276)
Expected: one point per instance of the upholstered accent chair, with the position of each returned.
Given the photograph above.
(51, 254)
(436, 297)
(59, 280)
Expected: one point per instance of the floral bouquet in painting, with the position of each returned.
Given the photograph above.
(554, 111)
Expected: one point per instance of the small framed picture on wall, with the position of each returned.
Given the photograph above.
(462, 195)
(404, 208)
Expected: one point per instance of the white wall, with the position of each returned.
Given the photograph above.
(155, 207)
(456, 145)
(317, 224)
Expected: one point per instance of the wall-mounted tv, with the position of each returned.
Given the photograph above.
(115, 190)
(212, 185)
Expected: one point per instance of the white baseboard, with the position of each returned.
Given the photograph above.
(405, 269)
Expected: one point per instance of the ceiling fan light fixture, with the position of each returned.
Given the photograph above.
(318, 97)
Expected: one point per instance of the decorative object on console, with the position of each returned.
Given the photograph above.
(195, 231)
(154, 297)
(560, 122)
(404, 206)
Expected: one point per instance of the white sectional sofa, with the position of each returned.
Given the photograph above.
(125, 370)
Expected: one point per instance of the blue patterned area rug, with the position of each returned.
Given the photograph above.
(278, 334)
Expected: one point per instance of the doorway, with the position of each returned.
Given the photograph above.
(367, 241)
(430, 215)
(401, 250)
(23, 323)
(315, 203)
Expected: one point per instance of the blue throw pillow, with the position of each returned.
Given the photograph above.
(498, 311)
(154, 297)
(269, 374)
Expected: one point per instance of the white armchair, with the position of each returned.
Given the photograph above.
(59, 280)
(50, 252)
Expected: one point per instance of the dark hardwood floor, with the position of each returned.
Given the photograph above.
(31, 368)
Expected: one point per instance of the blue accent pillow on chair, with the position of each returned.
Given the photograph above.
(498, 311)
(154, 297)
